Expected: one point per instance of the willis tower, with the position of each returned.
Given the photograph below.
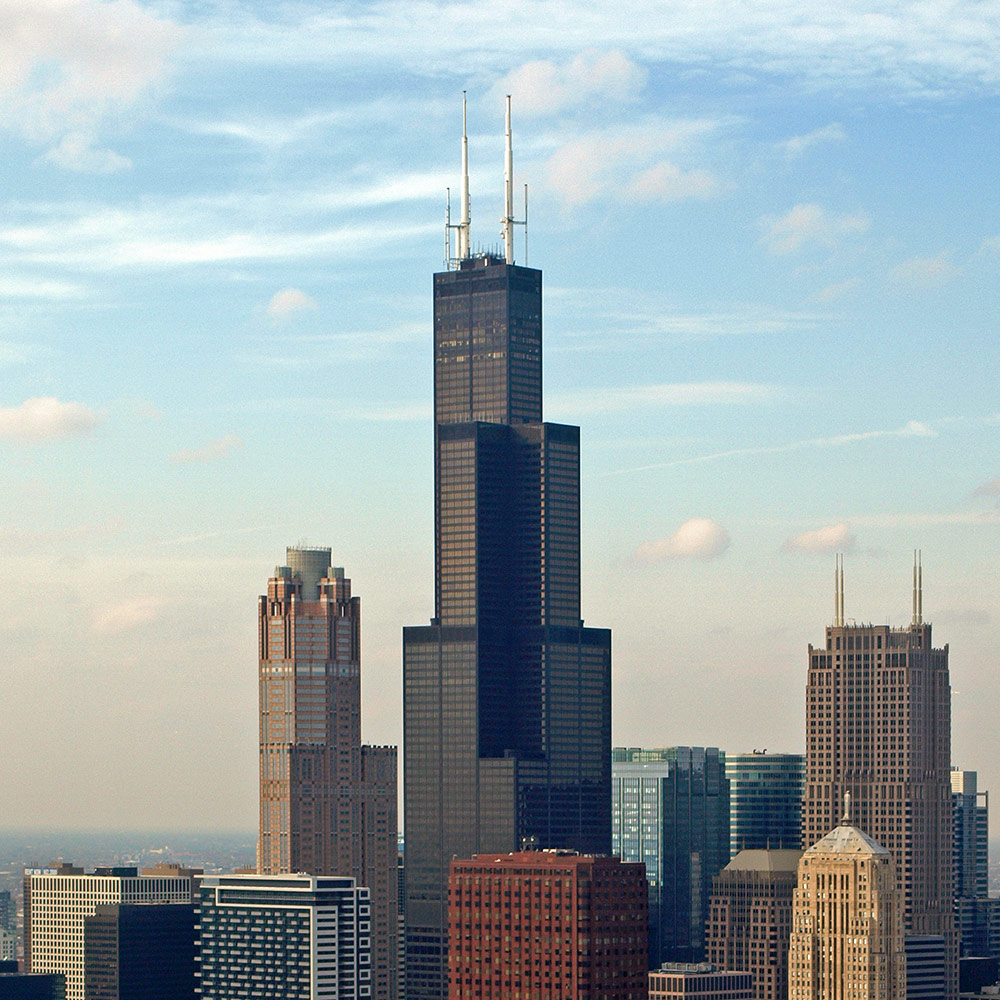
(506, 696)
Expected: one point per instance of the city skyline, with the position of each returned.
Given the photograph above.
(770, 292)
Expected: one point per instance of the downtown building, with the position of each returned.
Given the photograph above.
(58, 901)
(765, 800)
(551, 925)
(283, 937)
(506, 695)
(847, 921)
(878, 725)
(670, 810)
(750, 918)
(327, 803)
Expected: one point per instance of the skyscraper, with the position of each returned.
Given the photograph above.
(551, 925)
(327, 803)
(765, 800)
(750, 918)
(291, 937)
(670, 810)
(506, 696)
(976, 915)
(57, 901)
(847, 927)
(878, 725)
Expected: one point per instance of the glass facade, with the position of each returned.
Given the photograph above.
(765, 800)
(507, 697)
(670, 810)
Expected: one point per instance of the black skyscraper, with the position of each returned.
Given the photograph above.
(507, 697)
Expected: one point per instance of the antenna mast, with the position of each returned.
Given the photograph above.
(838, 591)
(508, 222)
(462, 227)
(918, 588)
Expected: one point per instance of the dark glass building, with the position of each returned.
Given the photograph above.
(139, 951)
(507, 697)
(671, 811)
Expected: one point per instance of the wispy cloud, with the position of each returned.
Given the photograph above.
(913, 428)
(829, 538)
(67, 66)
(544, 87)
(838, 290)
(697, 538)
(809, 225)
(798, 144)
(44, 418)
(289, 301)
(635, 163)
(670, 394)
(990, 489)
(130, 613)
(924, 272)
(210, 452)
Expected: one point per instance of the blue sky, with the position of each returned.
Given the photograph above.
(770, 237)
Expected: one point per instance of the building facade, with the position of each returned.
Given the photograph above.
(59, 899)
(670, 810)
(699, 981)
(765, 800)
(506, 695)
(32, 986)
(283, 937)
(327, 803)
(878, 725)
(847, 922)
(750, 918)
(139, 951)
(546, 924)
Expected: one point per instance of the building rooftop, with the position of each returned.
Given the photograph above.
(765, 861)
(846, 839)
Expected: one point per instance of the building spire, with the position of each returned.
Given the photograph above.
(846, 818)
(466, 218)
(918, 588)
(838, 590)
(508, 191)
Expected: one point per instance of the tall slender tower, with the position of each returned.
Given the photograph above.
(327, 803)
(878, 725)
(506, 696)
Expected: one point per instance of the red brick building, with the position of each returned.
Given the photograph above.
(547, 925)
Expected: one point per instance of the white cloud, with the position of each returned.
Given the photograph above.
(543, 87)
(698, 538)
(670, 394)
(45, 417)
(924, 272)
(798, 144)
(829, 538)
(289, 301)
(990, 489)
(809, 225)
(630, 164)
(210, 452)
(77, 152)
(838, 290)
(110, 619)
(66, 65)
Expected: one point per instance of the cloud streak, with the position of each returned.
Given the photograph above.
(809, 225)
(210, 452)
(670, 394)
(829, 538)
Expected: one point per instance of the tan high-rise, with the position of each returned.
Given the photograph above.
(878, 725)
(327, 803)
(847, 927)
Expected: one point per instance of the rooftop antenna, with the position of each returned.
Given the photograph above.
(838, 590)
(463, 226)
(918, 588)
(508, 222)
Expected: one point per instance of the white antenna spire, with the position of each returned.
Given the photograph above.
(920, 587)
(838, 590)
(466, 218)
(508, 193)
(913, 619)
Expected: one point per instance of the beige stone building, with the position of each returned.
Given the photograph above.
(847, 922)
